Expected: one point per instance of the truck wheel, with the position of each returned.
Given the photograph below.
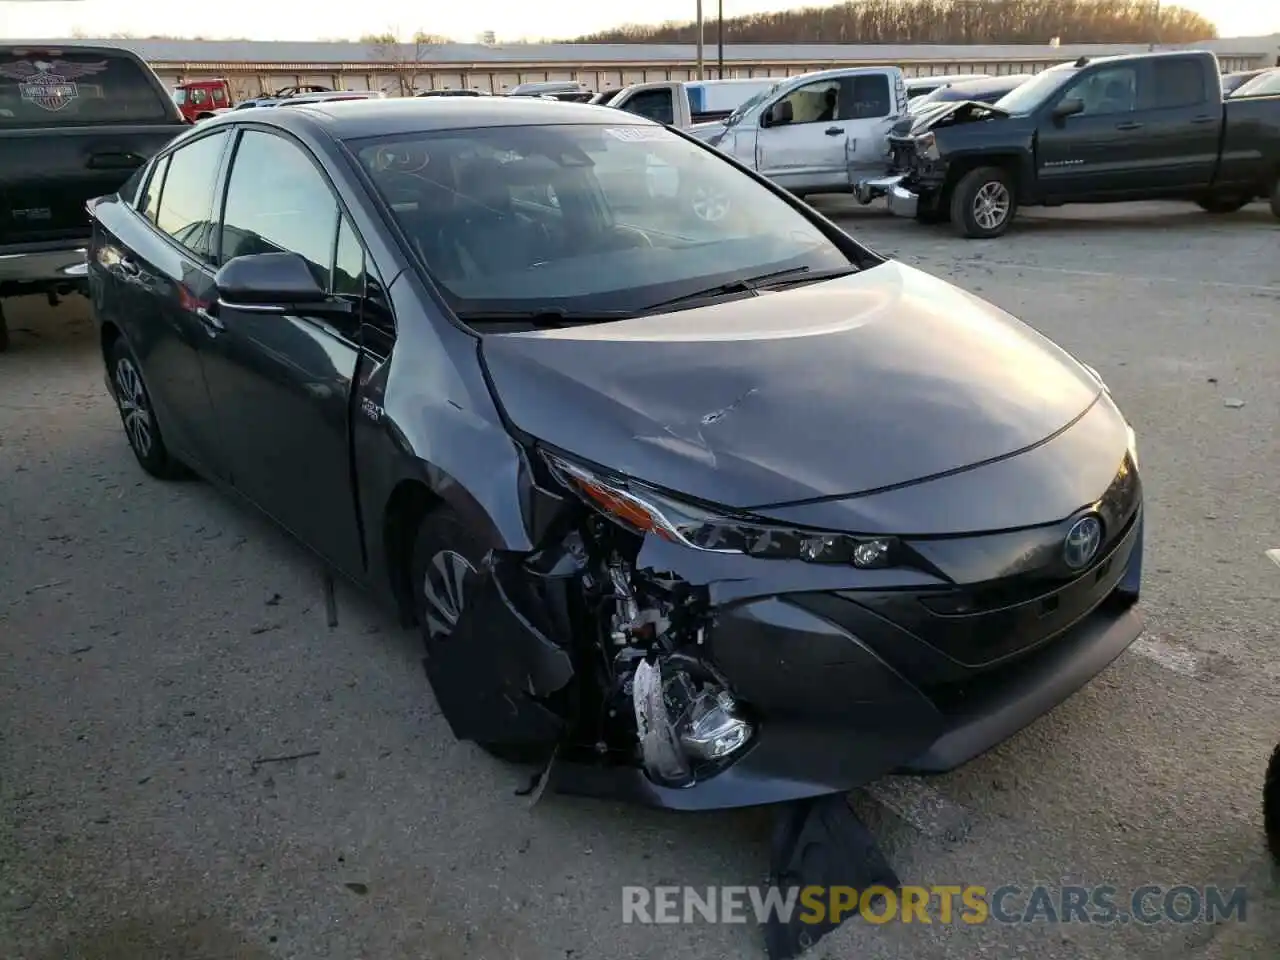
(1275, 196)
(138, 415)
(1222, 204)
(446, 558)
(983, 203)
(4, 331)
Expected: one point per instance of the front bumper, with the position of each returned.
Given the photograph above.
(847, 692)
(902, 202)
(43, 264)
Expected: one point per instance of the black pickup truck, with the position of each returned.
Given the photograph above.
(75, 123)
(1139, 127)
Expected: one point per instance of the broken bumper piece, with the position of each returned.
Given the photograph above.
(887, 730)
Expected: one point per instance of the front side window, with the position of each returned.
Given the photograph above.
(584, 217)
(1263, 85)
(278, 201)
(185, 211)
(1110, 90)
(813, 103)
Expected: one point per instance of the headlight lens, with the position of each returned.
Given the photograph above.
(642, 510)
(927, 146)
(1133, 445)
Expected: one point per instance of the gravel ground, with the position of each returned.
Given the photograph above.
(159, 645)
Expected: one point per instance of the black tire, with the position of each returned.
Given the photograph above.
(4, 331)
(1275, 196)
(1221, 204)
(137, 415)
(983, 203)
(446, 549)
(1271, 805)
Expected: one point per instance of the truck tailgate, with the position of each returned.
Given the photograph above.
(46, 175)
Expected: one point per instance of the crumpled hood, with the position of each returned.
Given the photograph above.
(879, 379)
(929, 119)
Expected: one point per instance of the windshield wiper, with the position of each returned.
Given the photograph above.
(752, 284)
(544, 317)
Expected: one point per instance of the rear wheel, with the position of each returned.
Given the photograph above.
(1275, 196)
(444, 566)
(138, 415)
(1222, 204)
(983, 203)
(4, 330)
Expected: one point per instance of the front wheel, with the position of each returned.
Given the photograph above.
(1275, 196)
(1271, 805)
(983, 203)
(444, 568)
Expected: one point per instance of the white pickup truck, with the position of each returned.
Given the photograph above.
(684, 103)
(815, 133)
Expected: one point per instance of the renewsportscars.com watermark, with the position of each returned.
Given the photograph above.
(969, 904)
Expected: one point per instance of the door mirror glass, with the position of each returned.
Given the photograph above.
(268, 280)
(1068, 108)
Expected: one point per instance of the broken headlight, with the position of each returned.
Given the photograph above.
(643, 510)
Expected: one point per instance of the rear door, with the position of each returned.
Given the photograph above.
(1181, 122)
(74, 124)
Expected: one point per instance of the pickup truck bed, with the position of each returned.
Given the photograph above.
(75, 123)
(1142, 127)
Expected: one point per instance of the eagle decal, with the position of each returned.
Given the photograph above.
(49, 84)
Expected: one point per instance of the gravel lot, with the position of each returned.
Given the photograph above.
(157, 642)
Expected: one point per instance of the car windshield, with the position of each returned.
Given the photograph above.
(1264, 84)
(745, 107)
(1027, 96)
(584, 218)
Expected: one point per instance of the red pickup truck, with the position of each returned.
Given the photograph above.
(201, 99)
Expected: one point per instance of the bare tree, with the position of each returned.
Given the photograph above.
(404, 57)
(944, 21)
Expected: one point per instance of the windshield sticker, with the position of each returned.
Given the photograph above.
(636, 134)
(49, 84)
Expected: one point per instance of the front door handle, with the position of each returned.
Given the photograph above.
(212, 323)
(834, 131)
(1129, 125)
(1205, 119)
(115, 160)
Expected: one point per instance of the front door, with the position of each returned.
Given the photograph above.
(281, 384)
(1093, 153)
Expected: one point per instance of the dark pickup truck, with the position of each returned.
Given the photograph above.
(75, 123)
(1141, 127)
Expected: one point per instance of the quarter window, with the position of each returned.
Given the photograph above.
(185, 210)
(655, 104)
(149, 203)
(277, 202)
(869, 98)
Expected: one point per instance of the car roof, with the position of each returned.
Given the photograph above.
(356, 119)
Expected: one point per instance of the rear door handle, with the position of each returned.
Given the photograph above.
(834, 131)
(1208, 119)
(1129, 125)
(212, 323)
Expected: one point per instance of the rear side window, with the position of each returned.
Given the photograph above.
(869, 98)
(65, 87)
(657, 105)
(186, 200)
(1179, 83)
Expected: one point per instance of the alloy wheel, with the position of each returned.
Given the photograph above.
(443, 588)
(991, 205)
(131, 398)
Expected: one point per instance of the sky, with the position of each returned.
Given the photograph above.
(509, 19)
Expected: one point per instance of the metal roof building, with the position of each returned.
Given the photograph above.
(499, 67)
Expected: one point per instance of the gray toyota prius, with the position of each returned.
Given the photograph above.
(692, 496)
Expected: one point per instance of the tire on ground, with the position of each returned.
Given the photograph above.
(983, 203)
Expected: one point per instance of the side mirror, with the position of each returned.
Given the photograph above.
(1068, 108)
(273, 283)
